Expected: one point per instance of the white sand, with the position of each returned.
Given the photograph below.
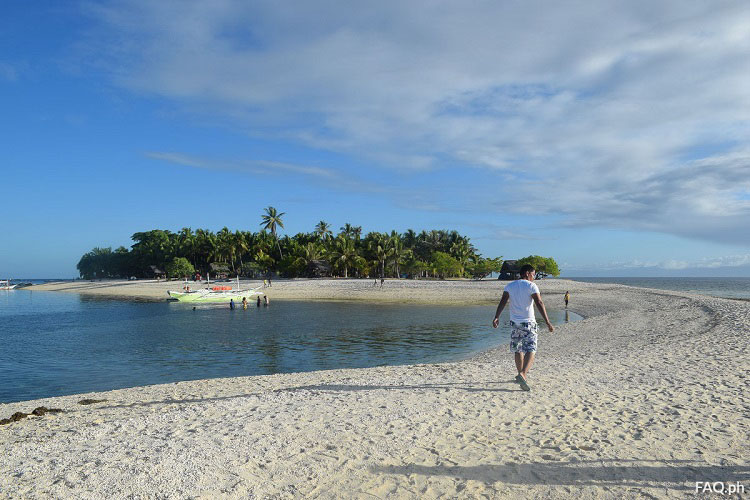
(643, 398)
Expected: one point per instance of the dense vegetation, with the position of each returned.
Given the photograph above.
(439, 254)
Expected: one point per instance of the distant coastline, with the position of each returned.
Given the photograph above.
(725, 287)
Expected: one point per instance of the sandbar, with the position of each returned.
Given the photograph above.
(644, 397)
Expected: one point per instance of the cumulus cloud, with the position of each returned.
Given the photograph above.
(615, 114)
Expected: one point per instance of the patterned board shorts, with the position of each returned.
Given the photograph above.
(523, 337)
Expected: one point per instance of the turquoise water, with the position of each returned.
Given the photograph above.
(733, 288)
(56, 344)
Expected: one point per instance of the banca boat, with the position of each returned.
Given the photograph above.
(216, 293)
(5, 285)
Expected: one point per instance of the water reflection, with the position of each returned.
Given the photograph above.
(56, 344)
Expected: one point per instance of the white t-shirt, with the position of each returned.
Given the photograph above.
(521, 303)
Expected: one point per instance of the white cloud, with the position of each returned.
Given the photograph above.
(617, 114)
(254, 166)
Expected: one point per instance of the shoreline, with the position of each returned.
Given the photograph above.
(623, 403)
(460, 292)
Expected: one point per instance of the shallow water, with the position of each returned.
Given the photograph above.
(56, 344)
(732, 288)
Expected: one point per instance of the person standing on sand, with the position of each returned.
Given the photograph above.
(523, 294)
(567, 298)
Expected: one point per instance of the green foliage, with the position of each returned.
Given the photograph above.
(255, 254)
(544, 266)
(445, 266)
(180, 267)
(482, 268)
(251, 270)
(270, 220)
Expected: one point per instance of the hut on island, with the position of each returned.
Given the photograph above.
(318, 269)
(510, 270)
(219, 270)
(157, 273)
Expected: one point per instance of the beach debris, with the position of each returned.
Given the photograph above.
(91, 401)
(19, 415)
(41, 410)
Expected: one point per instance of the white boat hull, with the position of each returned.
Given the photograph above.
(214, 295)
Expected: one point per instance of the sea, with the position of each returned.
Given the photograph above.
(730, 288)
(56, 344)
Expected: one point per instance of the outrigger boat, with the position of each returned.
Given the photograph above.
(215, 293)
(5, 285)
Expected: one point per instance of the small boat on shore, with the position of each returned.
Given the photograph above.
(5, 285)
(215, 294)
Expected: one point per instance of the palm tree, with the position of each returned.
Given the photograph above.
(398, 251)
(380, 246)
(205, 243)
(410, 238)
(187, 242)
(241, 244)
(323, 230)
(271, 219)
(345, 254)
(225, 239)
(310, 253)
(350, 231)
(461, 251)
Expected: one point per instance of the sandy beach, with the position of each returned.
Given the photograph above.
(644, 397)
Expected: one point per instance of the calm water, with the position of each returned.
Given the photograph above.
(54, 344)
(733, 288)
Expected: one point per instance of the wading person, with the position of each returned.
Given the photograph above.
(567, 298)
(523, 294)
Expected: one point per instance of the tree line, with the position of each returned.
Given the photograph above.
(437, 253)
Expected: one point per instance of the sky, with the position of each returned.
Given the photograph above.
(611, 136)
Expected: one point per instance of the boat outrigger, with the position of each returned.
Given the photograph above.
(215, 293)
(5, 285)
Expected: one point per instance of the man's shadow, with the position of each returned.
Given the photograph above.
(676, 474)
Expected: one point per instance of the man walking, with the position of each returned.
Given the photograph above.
(523, 294)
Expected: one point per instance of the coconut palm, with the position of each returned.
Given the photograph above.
(241, 244)
(323, 230)
(205, 243)
(226, 245)
(461, 251)
(381, 248)
(345, 255)
(410, 239)
(272, 219)
(398, 252)
(350, 231)
(187, 242)
(309, 253)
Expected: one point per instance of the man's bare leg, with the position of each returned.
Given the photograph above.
(528, 360)
(519, 362)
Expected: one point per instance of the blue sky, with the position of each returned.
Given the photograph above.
(611, 136)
